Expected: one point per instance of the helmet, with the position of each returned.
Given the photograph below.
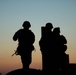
(26, 24)
(49, 25)
(56, 30)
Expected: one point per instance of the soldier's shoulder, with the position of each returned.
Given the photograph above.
(30, 31)
(62, 36)
(20, 30)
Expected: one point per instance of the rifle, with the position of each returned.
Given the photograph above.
(15, 53)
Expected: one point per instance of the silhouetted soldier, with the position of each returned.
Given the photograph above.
(46, 45)
(25, 47)
(60, 47)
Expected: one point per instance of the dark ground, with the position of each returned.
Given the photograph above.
(71, 69)
(25, 72)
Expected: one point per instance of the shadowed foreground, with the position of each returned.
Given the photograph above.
(25, 72)
(71, 69)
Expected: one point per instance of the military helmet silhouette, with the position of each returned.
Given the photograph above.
(49, 25)
(26, 24)
(56, 30)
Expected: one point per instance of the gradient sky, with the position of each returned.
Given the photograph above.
(61, 13)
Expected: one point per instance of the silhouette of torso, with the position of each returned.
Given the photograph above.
(26, 39)
(46, 48)
(59, 49)
(53, 47)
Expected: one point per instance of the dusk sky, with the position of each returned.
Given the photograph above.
(61, 13)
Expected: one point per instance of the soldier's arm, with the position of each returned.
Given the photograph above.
(64, 39)
(15, 37)
(32, 37)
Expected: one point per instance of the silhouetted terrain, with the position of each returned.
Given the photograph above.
(25, 72)
(71, 69)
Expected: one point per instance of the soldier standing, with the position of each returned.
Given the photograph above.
(25, 38)
(45, 44)
(60, 46)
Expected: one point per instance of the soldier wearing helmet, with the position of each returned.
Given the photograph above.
(26, 39)
(45, 44)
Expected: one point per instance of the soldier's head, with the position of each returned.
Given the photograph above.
(57, 30)
(49, 25)
(26, 24)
